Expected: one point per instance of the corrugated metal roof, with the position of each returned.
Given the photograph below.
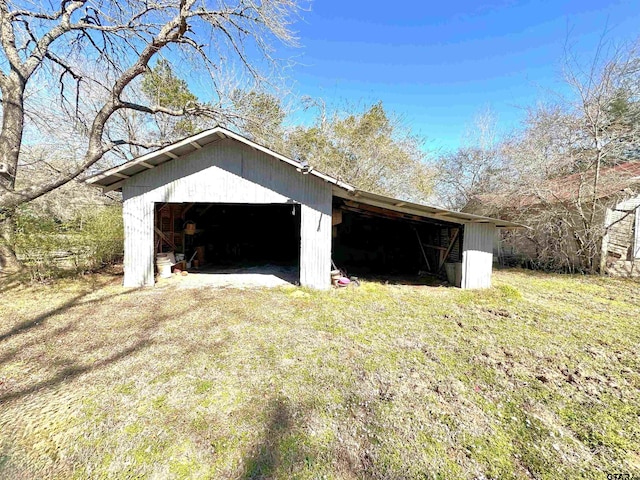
(612, 180)
(427, 211)
(113, 178)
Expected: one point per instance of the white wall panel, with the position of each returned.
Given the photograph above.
(477, 255)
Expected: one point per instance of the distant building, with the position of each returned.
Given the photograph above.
(617, 218)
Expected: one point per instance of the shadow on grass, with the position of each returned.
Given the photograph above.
(16, 350)
(266, 458)
(11, 281)
(27, 325)
(72, 371)
(405, 279)
(21, 278)
(283, 452)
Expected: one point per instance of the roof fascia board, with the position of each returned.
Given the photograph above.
(363, 198)
(452, 214)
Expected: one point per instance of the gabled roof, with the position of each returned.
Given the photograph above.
(114, 178)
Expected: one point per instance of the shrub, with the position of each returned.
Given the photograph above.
(103, 234)
(52, 248)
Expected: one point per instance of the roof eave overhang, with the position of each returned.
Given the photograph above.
(424, 211)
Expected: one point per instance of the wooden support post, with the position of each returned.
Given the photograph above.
(424, 255)
(452, 241)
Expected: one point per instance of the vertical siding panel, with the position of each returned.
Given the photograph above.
(138, 233)
(477, 255)
(315, 239)
(636, 240)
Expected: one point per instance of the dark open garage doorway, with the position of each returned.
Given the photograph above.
(231, 240)
(377, 243)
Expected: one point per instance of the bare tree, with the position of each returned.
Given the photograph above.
(564, 161)
(119, 39)
(475, 167)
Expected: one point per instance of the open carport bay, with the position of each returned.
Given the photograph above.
(375, 242)
(259, 244)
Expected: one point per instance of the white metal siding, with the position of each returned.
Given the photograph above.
(138, 242)
(227, 172)
(631, 207)
(477, 255)
(315, 248)
(621, 221)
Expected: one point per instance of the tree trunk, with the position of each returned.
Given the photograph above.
(8, 261)
(10, 142)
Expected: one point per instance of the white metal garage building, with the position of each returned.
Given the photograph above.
(257, 205)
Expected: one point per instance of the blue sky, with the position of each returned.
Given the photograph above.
(438, 64)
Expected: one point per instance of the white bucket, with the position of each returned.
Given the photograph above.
(163, 263)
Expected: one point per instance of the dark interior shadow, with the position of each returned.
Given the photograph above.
(265, 459)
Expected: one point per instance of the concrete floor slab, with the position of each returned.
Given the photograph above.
(249, 277)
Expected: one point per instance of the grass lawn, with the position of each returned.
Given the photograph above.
(538, 377)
